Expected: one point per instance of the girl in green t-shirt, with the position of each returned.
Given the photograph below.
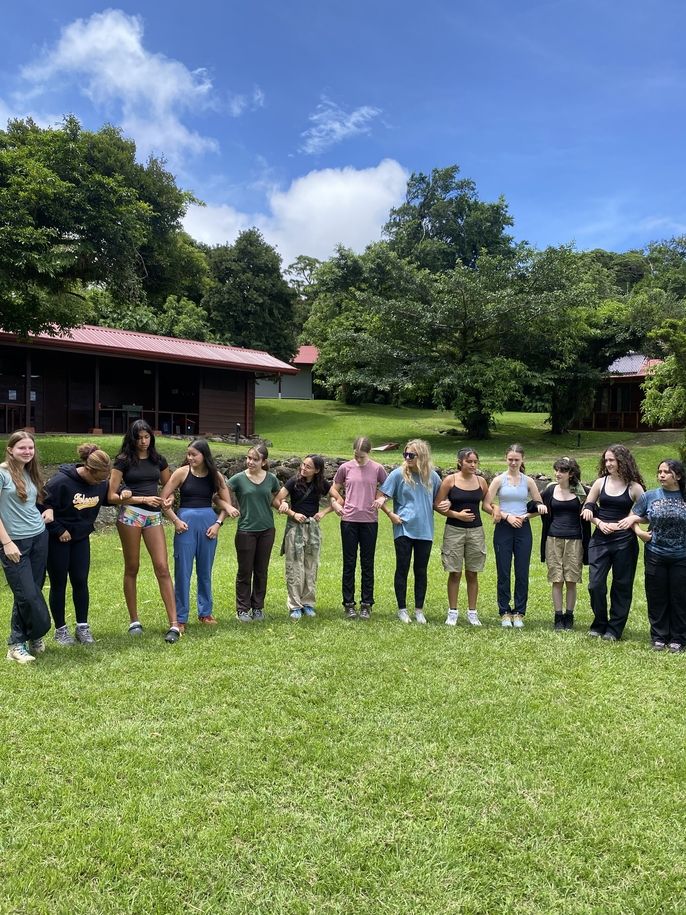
(254, 490)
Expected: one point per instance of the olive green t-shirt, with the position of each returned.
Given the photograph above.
(254, 501)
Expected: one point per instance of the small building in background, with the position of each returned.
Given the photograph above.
(99, 379)
(618, 400)
(293, 387)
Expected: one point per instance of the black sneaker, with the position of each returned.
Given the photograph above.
(558, 622)
(349, 611)
(173, 635)
(365, 611)
(258, 615)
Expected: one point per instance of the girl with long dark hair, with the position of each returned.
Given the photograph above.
(302, 539)
(141, 470)
(464, 541)
(664, 509)
(197, 527)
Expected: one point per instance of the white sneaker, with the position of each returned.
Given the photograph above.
(19, 654)
(451, 618)
(506, 621)
(473, 618)
(404, 616)
(419, 616)
(518, 621)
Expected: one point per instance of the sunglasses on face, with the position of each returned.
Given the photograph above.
(409, 455)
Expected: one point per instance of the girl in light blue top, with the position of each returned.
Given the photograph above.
(24, 546)
(512, 534)
(413, 487)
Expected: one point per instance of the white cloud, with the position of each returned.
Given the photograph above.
(324, 208)
(240, 103)
(106, 56)
(331, 125)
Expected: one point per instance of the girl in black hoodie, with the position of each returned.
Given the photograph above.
(75, 495)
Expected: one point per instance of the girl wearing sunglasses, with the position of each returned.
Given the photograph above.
(413, 487)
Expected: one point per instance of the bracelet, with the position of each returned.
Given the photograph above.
(219, 522)
(8, 543)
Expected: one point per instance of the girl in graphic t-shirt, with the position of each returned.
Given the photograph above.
(141, 470)
(664, 509)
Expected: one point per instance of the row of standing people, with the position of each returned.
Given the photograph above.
(360, 489)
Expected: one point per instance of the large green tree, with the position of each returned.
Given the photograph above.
(383, 323)
(443, 223)
(249, 303)
(77, 209)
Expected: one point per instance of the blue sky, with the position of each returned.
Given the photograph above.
(306, 118)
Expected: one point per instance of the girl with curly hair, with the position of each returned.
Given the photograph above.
(613, 547)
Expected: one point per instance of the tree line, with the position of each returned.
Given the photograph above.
(447, 310)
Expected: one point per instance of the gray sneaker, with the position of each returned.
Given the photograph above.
(244, 617)
(365, 611)
(404, 616)
(37, 646)
(84, 635)
(349, 612)
(258, 615)
(64, 637)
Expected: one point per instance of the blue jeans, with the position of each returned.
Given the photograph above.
(191, 546)
(30, 614)
(512, 543)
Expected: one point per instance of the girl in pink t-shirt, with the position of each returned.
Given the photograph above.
(360, 479)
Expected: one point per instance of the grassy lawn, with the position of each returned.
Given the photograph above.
(336, 767)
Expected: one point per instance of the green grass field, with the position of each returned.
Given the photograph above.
(337, 767)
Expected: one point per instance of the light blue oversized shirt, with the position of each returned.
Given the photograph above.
(414, 504)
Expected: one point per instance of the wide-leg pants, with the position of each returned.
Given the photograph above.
(194, 546)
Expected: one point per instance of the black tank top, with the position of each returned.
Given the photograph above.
(196, 492)
(566, 521)
(614, 508)
(465, 498)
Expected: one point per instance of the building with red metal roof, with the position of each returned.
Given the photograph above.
(292, 387)
(102, 378)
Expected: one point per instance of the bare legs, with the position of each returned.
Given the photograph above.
(156, 545)
(472, 588)
(558, 587)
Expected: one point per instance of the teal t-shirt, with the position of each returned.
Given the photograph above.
(254, 501)
(21, 519)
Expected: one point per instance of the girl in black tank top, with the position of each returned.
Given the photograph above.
(613, 547)
(459, 499)
(197, 526)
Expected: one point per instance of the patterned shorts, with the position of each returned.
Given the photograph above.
(133, 516)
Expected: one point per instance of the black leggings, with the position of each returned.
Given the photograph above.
(404, 546)
(71, 559)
